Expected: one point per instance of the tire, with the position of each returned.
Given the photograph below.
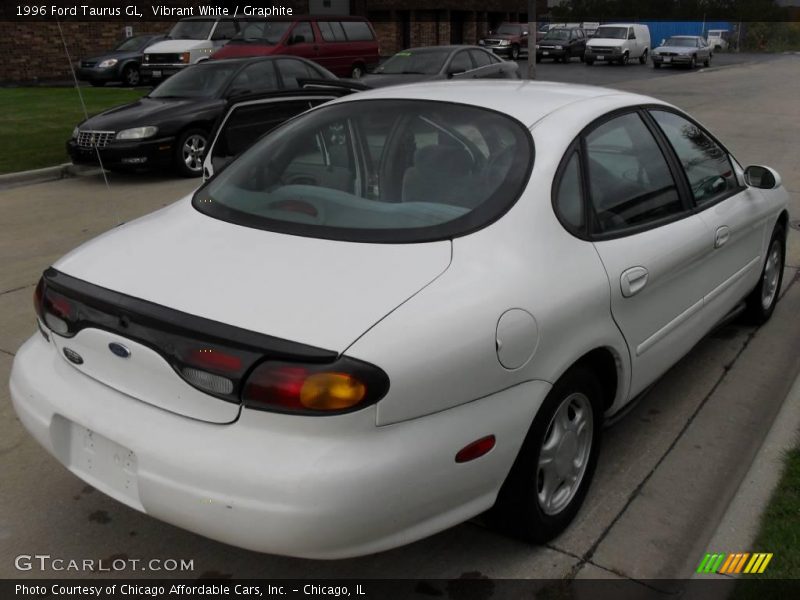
(515, 52)
(538, 58)
(524, 509)
(130, 76)
(760, 303)
(656, 65)
(624, 59)
(707, 62)
(643, 58)
(588, 61)
(693, 63)
(189, 152)
(357, 72)
(582, 57)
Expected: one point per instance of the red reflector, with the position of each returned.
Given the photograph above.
(476, 449)
(60, 306)
(38, 297)
(277, 386)
(214, 359)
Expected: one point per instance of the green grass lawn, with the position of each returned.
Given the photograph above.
(36, 122)
(779, 534)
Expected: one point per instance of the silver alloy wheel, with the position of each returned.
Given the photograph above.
(772, 272)
(564, 454)
(132, 76)
(192, 152)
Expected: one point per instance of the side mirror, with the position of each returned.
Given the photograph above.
(663, 41)
(763, 178)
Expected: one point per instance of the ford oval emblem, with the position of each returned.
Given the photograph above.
(119, 350)
(73, 356)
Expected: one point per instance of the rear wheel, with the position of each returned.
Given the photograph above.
(357, 71)
(760, 304)
(554, 468)
(190, 151)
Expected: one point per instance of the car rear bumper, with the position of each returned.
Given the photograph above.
(315, 487)
(135, 154)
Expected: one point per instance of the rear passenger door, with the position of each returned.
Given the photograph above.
(247, 121)
(651, 245)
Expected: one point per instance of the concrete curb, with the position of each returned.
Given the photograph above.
(741, 522)
(46, 174)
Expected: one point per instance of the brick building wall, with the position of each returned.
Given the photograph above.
(34, 51)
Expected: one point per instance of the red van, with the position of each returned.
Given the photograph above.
(346, 46)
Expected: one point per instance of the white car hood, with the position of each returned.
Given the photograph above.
(323, 293)
(170, 46)
(612, 42)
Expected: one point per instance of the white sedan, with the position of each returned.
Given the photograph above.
(397, 311)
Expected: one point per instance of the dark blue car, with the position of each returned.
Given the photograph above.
(120, 64)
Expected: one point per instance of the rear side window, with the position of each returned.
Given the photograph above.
(331, 31)
(630, 183)
(357, 31)
(707, 166)
(569, 195)
(385, 171)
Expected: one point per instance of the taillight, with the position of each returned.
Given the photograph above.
(342, 386)
(58, 312)
(38, 298)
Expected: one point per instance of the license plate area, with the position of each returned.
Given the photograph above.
(157, 73)
(601, 57)
(667, 59)
(105, 464)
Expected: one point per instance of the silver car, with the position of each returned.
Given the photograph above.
(684, 50)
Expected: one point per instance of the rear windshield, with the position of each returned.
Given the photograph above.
(425, 61)
(389, 171)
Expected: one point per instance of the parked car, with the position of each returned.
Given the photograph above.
(430, 63)
(346, 46)
(683, 50)
(170, 127)
(191, 40)
(120, 64)
(510, 39)
(718, 39)
(562, 44)
(619, 43)
(176, 367)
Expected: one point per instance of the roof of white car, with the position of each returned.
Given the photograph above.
(527, 101)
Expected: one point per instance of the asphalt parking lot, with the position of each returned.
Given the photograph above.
(667, 469)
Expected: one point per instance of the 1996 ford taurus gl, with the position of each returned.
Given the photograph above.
(396, 311)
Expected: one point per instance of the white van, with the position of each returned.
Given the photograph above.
(718, 39)
(619, 42)
(189, 41)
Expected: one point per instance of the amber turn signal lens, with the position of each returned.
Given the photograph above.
(331, 391)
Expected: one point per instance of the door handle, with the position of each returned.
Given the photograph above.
(722, 236)
(633, 280)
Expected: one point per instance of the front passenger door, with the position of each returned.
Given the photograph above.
(651, 245)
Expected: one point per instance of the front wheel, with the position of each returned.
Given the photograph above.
(693, 63)
(588, 61)
(643, 58)
(624, 59)
(760, 304)
(190, 151)
(707, 62)
(514, 52)
(552, 473)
